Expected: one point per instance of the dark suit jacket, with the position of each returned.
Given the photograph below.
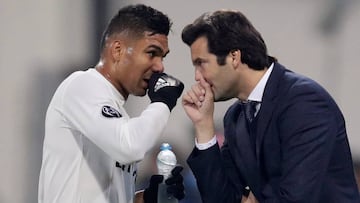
(301, 155)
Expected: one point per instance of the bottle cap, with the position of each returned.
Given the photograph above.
(165, 146)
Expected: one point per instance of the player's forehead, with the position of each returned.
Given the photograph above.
(159, 41)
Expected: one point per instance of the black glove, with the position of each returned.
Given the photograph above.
(175, 186)
(165, 88)
(175, 183)
(150, 193)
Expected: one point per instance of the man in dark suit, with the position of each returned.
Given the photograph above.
(285, 137)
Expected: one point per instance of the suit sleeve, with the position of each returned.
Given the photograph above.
(211, 170)
(308, 130)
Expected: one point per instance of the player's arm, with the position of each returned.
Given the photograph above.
(123, 139)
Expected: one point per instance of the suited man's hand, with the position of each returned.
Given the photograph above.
(198, 103)
(249, 199)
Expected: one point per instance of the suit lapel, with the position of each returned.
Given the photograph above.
(239, 144)
(237, 137)
(247, 155)
(268, 104)
(262, 125)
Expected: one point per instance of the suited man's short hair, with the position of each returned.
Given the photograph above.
(226, 31)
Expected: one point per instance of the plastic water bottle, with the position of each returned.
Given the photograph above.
(165, 161)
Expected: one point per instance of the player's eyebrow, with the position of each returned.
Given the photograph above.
(159, 50)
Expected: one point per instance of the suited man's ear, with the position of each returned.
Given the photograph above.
(236, 57)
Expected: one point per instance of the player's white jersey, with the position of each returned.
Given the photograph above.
(91, 146)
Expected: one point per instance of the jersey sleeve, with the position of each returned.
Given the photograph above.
(124, 139)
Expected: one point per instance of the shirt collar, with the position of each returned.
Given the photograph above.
(115, 92)
(257, 93)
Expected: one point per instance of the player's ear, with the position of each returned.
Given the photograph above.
(116, 49)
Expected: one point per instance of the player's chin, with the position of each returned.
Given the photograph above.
(141, 92)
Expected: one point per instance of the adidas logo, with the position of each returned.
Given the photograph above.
(164, 83)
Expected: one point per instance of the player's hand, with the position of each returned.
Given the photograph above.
(150, 193)
(175, 185)
(165, 88)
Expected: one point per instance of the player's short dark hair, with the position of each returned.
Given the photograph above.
(227, 31)
(136, 19)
